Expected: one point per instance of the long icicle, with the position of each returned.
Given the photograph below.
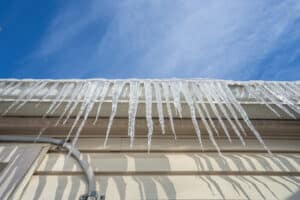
(117, 91)
(72, 99)
(56, 100)
(101, 100)
(207, 113)
(87, 107)
(80, 95)
(190, 102)
(207, 93)
(158, 98)
(244, 115)
(69, 90)
(82, 108)
(230, 105)
(133, 105)
(220, 101)
(166, 93)
(207, 127)
(175, 88)
(148, 100)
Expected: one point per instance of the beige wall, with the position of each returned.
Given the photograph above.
(173, 170)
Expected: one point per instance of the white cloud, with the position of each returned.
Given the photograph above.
(170, 38)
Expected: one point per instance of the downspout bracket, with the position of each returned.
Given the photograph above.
(92, 196)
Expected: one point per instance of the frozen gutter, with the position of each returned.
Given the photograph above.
(193, 98)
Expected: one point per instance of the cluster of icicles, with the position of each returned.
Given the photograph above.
(205, 99)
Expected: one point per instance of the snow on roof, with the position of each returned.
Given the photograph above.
(203, 96)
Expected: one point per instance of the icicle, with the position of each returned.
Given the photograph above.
(86, 108)
(259, 97)
(48, 93)
(166, 94)
(291, 94)
(39, 85)
(102, 97)
(89, 91)
(32, 93)
(207, 112)
(56, 100)
(148, 99)
(42, 130)
(189, 100)
(117, 91)
(77, 101)
(294, 88)
(266, 93)
(68, 90)
(274, 89)
(206, 90)
(75, 93)
(133, 105)
(210, 133)
(81, 110)
(230, 105)
(216, 97)
(6, 89)
(21, 96)
(42, 92)
(244, 115)
(157, 90)
(175, 88)
(10, 88)
(294, 92)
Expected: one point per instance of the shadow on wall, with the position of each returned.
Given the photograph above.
(18, 159)
(152, 187)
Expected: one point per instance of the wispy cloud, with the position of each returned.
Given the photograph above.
(217, 39)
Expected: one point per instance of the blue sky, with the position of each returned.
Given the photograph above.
(236, 39)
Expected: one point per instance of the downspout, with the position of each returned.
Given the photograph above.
(92, 194)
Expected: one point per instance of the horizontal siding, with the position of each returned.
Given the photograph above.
(174, 163)
(174, 169)
(167, 187)
(188, 144)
